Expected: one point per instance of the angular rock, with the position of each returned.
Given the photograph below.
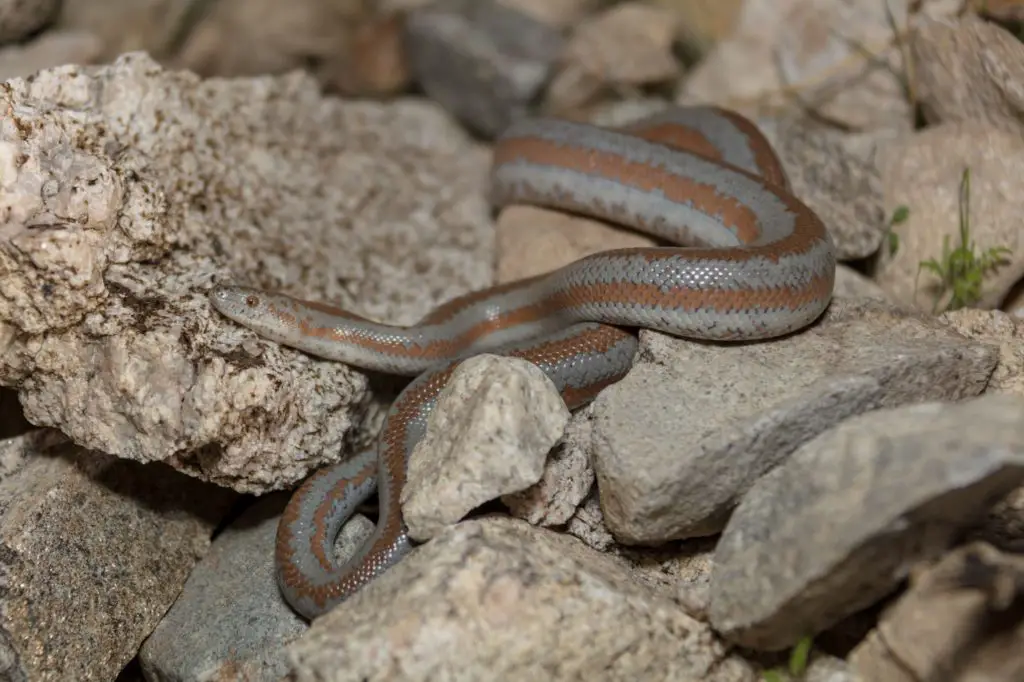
(93, 551)
(838, 57)
(1003, 526)
(488, 435)
(852, 284)
(153, 186)
(1002, 331)
(838, 525)
(958, 620)
(230, 621)
(482, 60)
(626, 46)
(499, 599)
(968, 69)
(679, 441)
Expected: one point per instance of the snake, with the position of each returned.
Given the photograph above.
(737, 257)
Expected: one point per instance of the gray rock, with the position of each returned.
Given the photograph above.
(482, 60)
(968, 69)
(840, 524)
(852, 284)
(489, 434)
(230, 621)
(497, 599)
(93, 551)
(839, 59)
(678, 442)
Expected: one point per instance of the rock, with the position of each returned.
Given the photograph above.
(230, 621)
(217, 38)
(1001, 331)
(533, 240)
(626, 46)
(587, 524)
(94, 551)
(897, 486)
(838, 57)
(924, 172)
(497, 598)
(680, 440)
(21, 18)
(152, 187)
(324, 39)
(852, 284)
(53, 48)
(485, 62)
(956, 621)
(684, 570)
(488, 435)
(968, 70)
(567, 479)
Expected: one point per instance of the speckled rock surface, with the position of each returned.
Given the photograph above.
(498, 599)
(1002, 331)
(93, 551)
(489, 434)
(127, 191)
(898, 486)
(968, 69)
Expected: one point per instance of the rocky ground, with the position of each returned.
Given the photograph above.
(858, 487)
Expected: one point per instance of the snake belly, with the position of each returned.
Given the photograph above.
(749, 261)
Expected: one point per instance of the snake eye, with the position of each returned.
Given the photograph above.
(252, 300)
